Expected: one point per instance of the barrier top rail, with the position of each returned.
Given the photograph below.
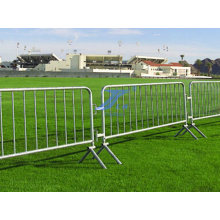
(42, 88)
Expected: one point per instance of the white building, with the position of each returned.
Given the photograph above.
(153, 66)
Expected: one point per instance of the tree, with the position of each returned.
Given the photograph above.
(209, 65)
(182, 56)
(198, 63)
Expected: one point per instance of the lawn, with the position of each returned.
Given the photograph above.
(152, 161)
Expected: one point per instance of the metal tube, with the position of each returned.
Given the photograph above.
(141, 109)
(74, 116)
(171, 103)
(152, 105)
(161, 97)
(25, 123)
(45, 108)
(35, 115)
(147, 111)
(117, 118)
(64, 105)
(123, 108)
(135, 104)
(129, 103)
(82, 113)
(13, 119)
(158, 121)
(175, 102)
(2, 141)
(167, 109)
(55, 115)
(110, 111)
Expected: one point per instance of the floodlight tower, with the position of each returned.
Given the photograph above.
(120, 45)
(17, 48)
(109, 52)
(69, 42)
(75, 51)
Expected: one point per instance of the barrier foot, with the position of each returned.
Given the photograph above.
(105, 146)
(95, 156)
(193, 126)
(186, 129)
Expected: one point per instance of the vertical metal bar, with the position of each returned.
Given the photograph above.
(74, 116)
(158, 121)
(45, 108)
(135, 103)
(25, 123)
(123, 108)
(55, 115)
(167, 109)
(215, 97)
(35, 115)
(110, 111)
(141, 108)
(206, 98)
(129, 103)
(64, 105)
(13, 119)
(2, 141)
(175, 102)
(210, 98)
(82, 113)
(195, 99)
(161, 97)
(180, 104)
(198, 98)
(171, 103)
(152, 105)
(205, 105)
(117, 118)
(147, 111)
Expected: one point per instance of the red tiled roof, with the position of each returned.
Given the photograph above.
(150, 63)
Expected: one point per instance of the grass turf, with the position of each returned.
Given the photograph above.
(152, 160)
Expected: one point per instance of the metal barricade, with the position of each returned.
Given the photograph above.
(40, 119)
(204, 99)
(132, 108)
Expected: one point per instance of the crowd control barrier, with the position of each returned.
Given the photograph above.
(131, 108)
(40, 119)
(204, 97)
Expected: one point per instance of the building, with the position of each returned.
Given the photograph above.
(87, 63)
(153, 66)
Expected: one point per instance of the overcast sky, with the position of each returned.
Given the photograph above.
(193, 43)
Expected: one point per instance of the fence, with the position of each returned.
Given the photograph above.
(132, 108)
(204, 99)
(40, 119)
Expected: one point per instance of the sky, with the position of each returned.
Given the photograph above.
(193, 43)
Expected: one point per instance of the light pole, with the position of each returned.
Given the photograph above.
(120, 62)
(17, 49)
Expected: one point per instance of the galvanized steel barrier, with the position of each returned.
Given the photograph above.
(132, 108)
(204, 97)
(40, 119)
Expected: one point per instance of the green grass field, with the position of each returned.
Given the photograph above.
(152, 161)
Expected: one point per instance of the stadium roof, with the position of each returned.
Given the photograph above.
(150, 63)
(135, 59)
(37, 58)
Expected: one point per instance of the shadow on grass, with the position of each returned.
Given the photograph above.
(59, 164)
(35, 162)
